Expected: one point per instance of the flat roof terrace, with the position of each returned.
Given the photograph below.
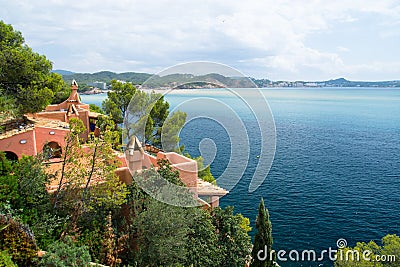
(14, 127)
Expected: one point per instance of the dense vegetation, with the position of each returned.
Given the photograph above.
(154, 81)
(107, 77)
(83, 212)
(26, 81)
(109, 222)
(263, 240)
(161, 129)
(150, 107)
(188, 81)
(371, 254)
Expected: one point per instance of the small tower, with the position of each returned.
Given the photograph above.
(135, 154)
(74, 96)
(74, 85)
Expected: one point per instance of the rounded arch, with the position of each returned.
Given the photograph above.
(11, 155)
(52, 150)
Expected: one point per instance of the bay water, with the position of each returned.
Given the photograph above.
(336, 171)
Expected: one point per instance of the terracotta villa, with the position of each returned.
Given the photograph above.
(46, 131)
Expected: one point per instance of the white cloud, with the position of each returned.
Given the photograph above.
(261, 38)
(343, 49)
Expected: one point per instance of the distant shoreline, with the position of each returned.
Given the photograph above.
(214, 80)
(163, 90)
(147, 90)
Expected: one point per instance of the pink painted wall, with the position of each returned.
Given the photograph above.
(174, 157)
(214, 201)
(187, 167)
(149, 161)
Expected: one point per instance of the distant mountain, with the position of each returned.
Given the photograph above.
(63, 72)
(106, 76)
(211, 80)
(339, 81)
(190, 81)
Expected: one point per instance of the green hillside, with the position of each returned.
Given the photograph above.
(106, 76)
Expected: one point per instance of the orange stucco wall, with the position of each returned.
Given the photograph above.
(55, 115)
(124, 175)
(13, 143)
(62, 116)
(44, 135)
(35, 140)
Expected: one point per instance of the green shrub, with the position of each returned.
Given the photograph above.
(93, 239)
(66, 253)
(5, 260)
(48, 229)
(18, 241)
(371, 254)
(8, 182)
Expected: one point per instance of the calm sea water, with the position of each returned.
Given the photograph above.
(336, 172)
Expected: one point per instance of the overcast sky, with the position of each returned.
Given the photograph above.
(279, 40)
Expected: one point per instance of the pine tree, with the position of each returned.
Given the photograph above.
(263, 239)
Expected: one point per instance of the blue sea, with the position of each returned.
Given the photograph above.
(336, 171)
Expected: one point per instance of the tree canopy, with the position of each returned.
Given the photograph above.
(263, 239)
(27, 84)
(118, 100)
(82, 211)
(371, 254)
(233, 239)
(161, 128)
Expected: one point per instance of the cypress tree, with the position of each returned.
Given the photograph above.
(261, 253)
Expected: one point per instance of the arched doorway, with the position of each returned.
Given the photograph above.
(52, 150)
(11, 155)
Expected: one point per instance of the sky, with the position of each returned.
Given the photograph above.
(273, 39)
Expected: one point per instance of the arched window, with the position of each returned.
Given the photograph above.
(11, 155)
(52, 150)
